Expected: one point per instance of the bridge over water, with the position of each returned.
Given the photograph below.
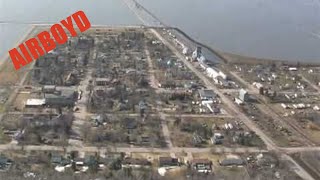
(149, 19)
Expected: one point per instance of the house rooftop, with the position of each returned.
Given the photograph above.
(207, 93)
(130, 123)
(168, 161)
(103, 79)
(66, 93)
(49, 87)
(243, 91)
(201, 161)
(3, 160)
(35, 102)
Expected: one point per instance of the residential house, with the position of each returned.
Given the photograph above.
(110, 159)
(168, 162)
(135, 163)
(57, 159)
(49, 89)
(144, 140)
(217, 138)
(102, 92)
(202, 165)
(5, 163)
(206, 94)
(102, 81)
(66, 97)
(98, 120)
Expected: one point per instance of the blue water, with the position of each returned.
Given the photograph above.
(108, 12)
(278, 29)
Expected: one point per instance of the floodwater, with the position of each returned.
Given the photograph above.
(275, 29)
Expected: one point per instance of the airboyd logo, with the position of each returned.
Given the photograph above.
(46, 41)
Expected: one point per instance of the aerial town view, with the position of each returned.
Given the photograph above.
(148, 102)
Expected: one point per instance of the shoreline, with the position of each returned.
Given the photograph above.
(24, 37)
(232, 58)
(242, 59)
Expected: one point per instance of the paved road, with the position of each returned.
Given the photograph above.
(88, 149)
(310, 83)
(291, 150)
(268, 110)
(298, 169)
(81, 114)
(229, 104)
(153, 81)
(156, 114)
(164, 125)
(7, 147)
(233, 108)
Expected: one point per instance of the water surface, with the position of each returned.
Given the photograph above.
(105, 12)
(277, 29)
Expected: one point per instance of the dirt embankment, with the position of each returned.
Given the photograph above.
(235, 59)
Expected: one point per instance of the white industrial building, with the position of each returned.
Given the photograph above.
(223, 75)
(215, 73)
(212, 73)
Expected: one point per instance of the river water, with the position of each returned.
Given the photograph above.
(276, 29)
